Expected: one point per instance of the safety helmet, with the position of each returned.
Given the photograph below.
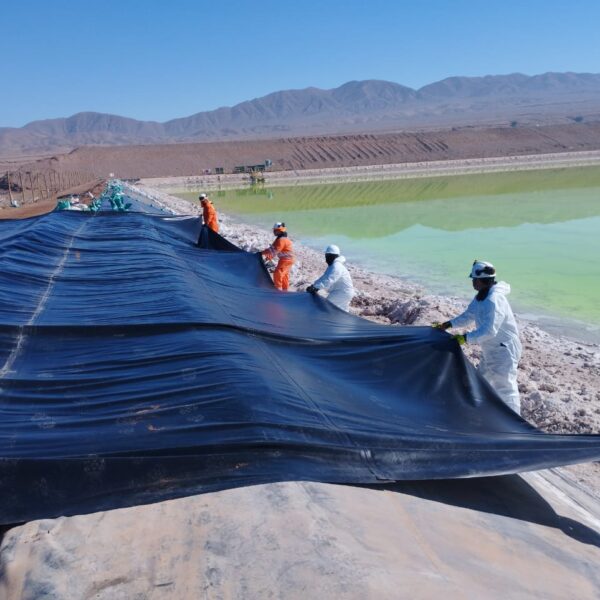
(279, 228)
(202, 197)
(482, 270)
(332, 249)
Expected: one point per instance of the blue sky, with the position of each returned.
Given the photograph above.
(160, 60)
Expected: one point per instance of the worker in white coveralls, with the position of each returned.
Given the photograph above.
(495, 331)
(336, 280)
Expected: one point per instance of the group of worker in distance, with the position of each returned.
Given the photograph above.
(495, 326)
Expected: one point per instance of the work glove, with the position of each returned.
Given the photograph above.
(461, 338)
(311, 289)
(442, 326)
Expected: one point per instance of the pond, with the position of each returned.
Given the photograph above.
(539, 228)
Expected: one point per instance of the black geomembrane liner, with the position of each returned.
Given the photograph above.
(144, 358)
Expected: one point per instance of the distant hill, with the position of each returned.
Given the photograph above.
(356, 106)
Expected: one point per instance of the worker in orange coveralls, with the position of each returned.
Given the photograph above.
(282, 249)
(209, 213)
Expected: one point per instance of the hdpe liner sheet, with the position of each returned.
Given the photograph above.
(144, 358)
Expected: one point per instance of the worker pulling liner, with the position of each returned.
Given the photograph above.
(336, 279)
(282, 248)
(209, 213)
(495, 331)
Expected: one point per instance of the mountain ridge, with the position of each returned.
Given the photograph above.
(360, 105)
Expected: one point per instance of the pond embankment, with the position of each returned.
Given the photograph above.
(405, 170)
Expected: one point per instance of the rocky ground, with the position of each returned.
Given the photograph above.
(559, 379)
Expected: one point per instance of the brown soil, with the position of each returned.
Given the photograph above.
(34, 209)
(28, 210)
(12, 163)
(163, 160)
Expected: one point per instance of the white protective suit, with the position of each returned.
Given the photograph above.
(337, 281)
(497, 333)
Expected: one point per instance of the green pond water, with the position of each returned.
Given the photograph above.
(540, 228)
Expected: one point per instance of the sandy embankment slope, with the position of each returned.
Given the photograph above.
(327, 151)
(36, 209)
(495, 538)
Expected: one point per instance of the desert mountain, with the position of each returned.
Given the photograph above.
(355, 106)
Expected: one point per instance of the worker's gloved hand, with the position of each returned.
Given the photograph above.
(442, 326)
(461, 338)
(311, 289)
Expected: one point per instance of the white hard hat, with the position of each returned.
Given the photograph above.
(202, 196)
(332, 249)
(482, 270)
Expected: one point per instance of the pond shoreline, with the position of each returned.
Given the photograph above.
(407, 170)
(435, 225)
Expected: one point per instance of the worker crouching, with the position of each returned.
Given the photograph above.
(336, 280)
(283, 250)
(495, 331)
(209, 213)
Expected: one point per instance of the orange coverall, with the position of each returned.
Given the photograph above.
(209, 213)
(283, 249)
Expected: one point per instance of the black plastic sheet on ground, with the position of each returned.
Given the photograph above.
(140, 360)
